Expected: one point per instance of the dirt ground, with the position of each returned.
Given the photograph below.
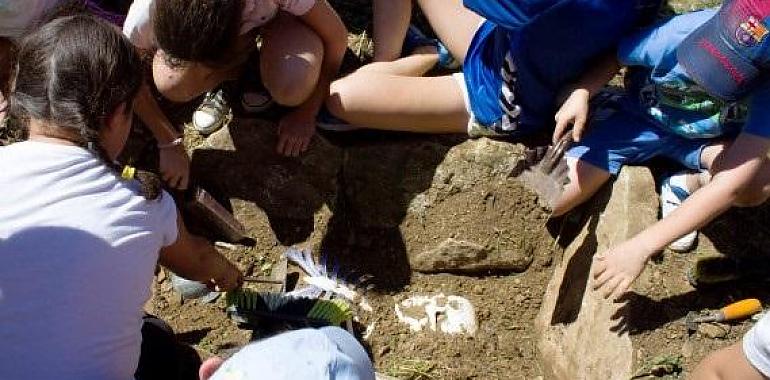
(366, 228)
(505, 347)
(506, 304)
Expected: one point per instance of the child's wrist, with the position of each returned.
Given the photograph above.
(569, 91)
(649, 245)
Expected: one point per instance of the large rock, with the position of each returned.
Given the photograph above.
(443, 206)
(576, 327)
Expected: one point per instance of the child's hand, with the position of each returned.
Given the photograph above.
(295, 130)
(175, 167)
(229, 278)
(615, 270)
(573, 112)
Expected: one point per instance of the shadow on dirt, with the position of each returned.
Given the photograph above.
(578, 269)
(367, 181)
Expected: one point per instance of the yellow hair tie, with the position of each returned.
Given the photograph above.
(128, 172)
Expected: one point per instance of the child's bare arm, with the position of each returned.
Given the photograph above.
(391, 20)
(194, 258)
(174, 162)
(297, 128)
(735, 170)
(729, 363)
(574, 98)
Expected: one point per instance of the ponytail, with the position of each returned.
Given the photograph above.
(73, 73)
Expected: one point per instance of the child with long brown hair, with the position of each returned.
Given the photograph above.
(78, 243)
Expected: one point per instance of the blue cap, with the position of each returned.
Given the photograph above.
(728, 53)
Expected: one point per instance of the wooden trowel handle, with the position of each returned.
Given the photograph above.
(741, 309)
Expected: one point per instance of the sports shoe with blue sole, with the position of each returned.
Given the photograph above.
(673, 193)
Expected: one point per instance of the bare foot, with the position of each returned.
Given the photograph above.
(616, 269)
(295, 131)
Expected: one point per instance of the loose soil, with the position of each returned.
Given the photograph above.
(506, 304)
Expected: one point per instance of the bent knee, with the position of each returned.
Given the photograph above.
(294, 83)
(292, 77)
(291, 93)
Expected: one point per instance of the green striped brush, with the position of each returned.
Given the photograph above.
(249, 307)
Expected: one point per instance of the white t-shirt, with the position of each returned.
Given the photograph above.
(756, 345)
(17, 17)
(138, 26)
(78, 247)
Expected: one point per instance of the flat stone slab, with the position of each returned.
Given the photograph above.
(577, 328)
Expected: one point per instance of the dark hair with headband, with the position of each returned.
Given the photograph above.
(72, 74)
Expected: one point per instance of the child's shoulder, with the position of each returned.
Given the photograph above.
(670, 31)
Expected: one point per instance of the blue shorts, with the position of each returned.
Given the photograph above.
(552, 42)
(621, 133)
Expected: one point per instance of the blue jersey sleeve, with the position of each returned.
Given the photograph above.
(655, 45)
(758, 121)
(509, 14)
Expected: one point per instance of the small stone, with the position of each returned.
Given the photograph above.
(161, 276)
(712, 331)
(520, 298)
(383, 351)
(687, 349)
(478, 289)
(174, 299)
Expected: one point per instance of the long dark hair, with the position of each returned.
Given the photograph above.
(196, 30)
(73, 73)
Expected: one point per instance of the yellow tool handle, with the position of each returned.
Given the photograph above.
(741, 309)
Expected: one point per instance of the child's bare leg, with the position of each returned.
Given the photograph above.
(585, 181)
(399, 103)
(290, 60)
(391, 20)
(415, 65)
(454, 24)
(727, 364)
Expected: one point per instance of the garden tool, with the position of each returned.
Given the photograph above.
(215, 220)
(734, 311)
(189, 289)
(545, 171)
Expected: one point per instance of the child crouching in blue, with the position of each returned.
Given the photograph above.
(703, 102)
(518, 57)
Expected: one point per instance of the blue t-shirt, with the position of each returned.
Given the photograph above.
(669, 95)
(552, 42)
(328, 353)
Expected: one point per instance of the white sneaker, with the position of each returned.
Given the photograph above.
(212, 114)
(672, 193)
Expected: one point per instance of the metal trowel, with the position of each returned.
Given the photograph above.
(544, 171)
(734, 311)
